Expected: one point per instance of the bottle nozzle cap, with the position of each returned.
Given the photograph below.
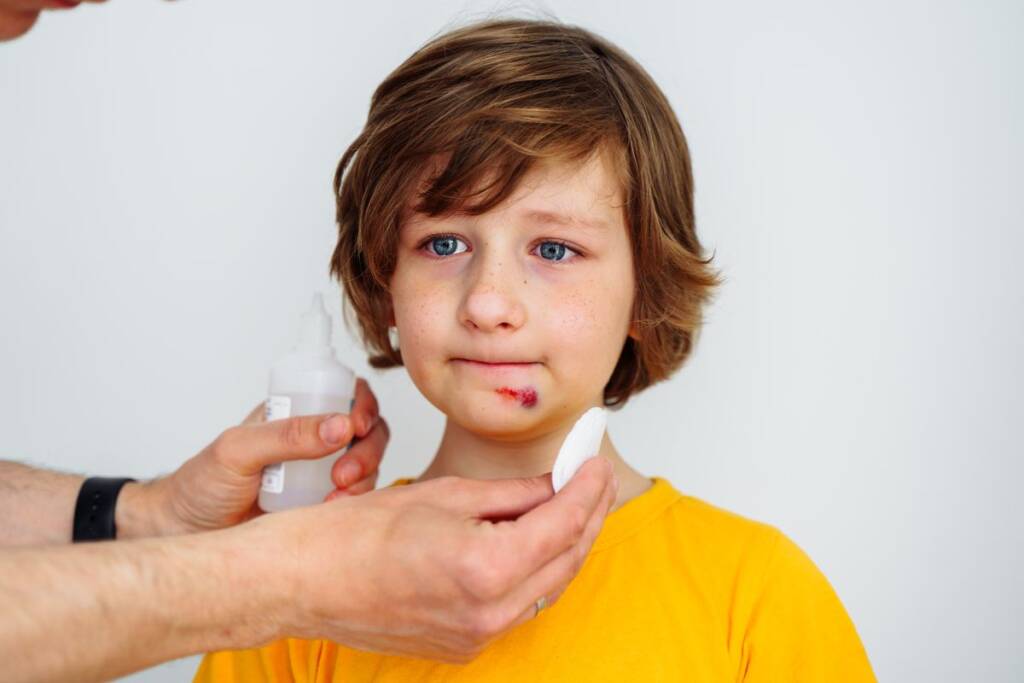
(316, 325)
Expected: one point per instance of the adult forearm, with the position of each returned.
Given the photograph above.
(36, 505)
(100, 610)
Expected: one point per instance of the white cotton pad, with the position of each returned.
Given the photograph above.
(582, 443)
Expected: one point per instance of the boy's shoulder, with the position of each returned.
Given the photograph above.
(772, 587)
(739, 554)
(723, 542)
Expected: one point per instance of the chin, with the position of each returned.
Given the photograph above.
(501, 421)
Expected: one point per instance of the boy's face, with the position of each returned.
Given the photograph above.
(511, 322)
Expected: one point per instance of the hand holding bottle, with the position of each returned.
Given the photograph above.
(219, 486)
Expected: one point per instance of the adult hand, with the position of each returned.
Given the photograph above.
(220, 486)
(436, 569)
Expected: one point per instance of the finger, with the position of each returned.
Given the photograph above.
(554, 577)
(365, 485)
(494, 499)
(363, 458)
(250, 447)
(256, 415)
(365, 411)
(550, 529)
(362, 486)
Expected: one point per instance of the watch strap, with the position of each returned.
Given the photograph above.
(94, 509)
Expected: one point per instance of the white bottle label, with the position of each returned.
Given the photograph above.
(276, 408)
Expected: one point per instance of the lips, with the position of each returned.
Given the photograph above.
(496, 364)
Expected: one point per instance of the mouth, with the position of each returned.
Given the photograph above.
(514, 378)
(495, 364)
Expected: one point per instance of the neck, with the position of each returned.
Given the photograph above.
(463, 453)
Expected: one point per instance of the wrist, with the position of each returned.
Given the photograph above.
(140, 511)
(315, 588)
(261, 581)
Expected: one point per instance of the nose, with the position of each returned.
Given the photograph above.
(493, 302)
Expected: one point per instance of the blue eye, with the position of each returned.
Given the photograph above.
(445, 245)
(554, 251)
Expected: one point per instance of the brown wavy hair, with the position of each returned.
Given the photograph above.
(488, 100)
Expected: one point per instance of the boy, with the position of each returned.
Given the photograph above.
(519, 208)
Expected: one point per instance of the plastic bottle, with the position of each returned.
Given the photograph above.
(307, 381)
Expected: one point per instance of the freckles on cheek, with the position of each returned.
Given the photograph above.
(574, 315)
(415, 287)
(426, 312)
(586, 329)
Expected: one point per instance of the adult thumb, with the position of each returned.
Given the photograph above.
(497, 499)
(250, 447)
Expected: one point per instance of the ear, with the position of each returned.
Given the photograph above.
(634, 331)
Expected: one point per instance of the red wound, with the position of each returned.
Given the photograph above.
(527, 397)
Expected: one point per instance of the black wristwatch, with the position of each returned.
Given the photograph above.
(94, 510)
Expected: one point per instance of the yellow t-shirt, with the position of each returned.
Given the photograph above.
(674, 589)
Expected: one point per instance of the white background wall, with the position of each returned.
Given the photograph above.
(165, 212)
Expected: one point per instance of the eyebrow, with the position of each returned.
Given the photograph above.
(544, 216)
